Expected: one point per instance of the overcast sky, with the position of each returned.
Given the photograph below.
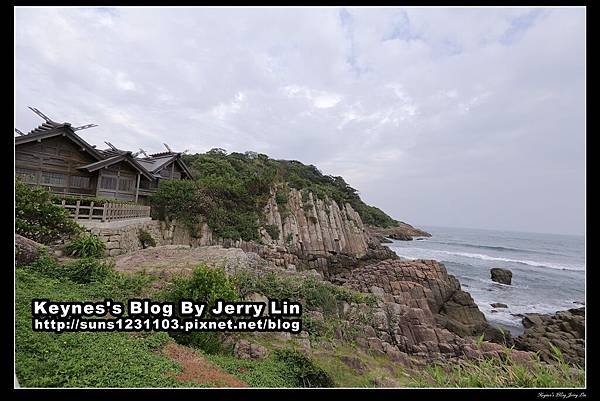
(447, 117)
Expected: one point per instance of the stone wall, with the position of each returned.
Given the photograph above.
(122, 236)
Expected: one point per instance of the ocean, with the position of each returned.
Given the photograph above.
(548, 269)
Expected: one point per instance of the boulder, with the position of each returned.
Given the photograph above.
(246, 350)
(354, 362)
(503, 276)
(26, 250)
(499, 305)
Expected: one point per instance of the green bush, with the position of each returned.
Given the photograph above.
(80, 271)
(37, 218)
(235, 188)
(146, 239)
(86, 246)
(179, 200)
(205, 285)
(273, 231)
(313, 293)
(281, 198)
(302, 369)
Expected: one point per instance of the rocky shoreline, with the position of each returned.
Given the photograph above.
(564, 330)
(421, 311)
(403, 232)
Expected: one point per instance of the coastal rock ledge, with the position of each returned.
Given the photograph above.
(564, 329)
(423, 311)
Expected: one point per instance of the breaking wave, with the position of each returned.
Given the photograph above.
(557, 266)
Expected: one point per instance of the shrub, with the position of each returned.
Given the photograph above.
(273, 231)
(303, 369)
(205, 285)
(146, 239)
(82, 271)
(86, 245)
(313, 293)
(281, 198)
(179, 200)
(37, 218)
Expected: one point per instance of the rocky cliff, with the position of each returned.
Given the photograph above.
(429, 314)
(307, 225)
(300, 232)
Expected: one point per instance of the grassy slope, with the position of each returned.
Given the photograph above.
(131, 360)
(82, 359)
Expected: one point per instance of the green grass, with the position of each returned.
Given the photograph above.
(311, 292)
(497, 372)
(84, 359)
(257, 373)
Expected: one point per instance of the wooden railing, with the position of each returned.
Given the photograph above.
(107, 211)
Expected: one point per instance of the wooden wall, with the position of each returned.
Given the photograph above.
(53, 163)
(117, 181)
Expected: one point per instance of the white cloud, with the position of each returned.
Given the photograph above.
(413, 106)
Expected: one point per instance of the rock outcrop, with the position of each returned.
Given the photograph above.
(502, 276)
(403, 232)
(312, 226)
(564, 330)
(423, 310)
(26, 250)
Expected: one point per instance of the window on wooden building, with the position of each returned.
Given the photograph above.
(125, 184)
(26, 175)
(108, 182)
(51, 178)
(80, 182)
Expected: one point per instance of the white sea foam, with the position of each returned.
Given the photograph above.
(480, 256)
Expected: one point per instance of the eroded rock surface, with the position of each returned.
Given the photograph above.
(26, 250)
(423, 311)
(564, 329)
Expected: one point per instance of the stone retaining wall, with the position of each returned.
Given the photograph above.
(123, 236)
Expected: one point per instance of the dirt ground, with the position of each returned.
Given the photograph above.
(197, 369)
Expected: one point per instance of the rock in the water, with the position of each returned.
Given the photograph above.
(26, 250)
(503, 276)
(564, 330)
(499, 305)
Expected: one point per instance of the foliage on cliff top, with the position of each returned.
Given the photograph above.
(231, 190)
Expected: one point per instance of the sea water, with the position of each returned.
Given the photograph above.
(548, 269)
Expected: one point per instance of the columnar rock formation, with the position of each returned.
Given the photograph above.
(315, 226)
(300, 232)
